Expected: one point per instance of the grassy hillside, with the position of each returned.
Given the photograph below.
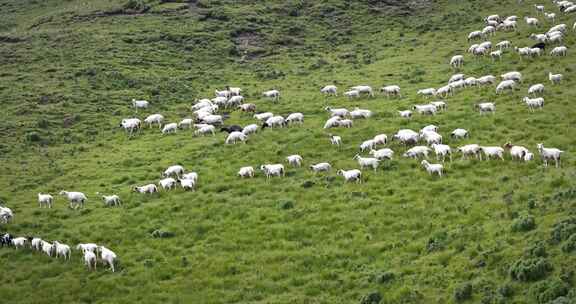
(68, 70)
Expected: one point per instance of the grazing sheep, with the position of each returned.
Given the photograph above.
(417, 151)
(427, 92)
(295, 118)
(174, 170)
(360, 113)
(108, 257)
(486, 107)
(456, 77)
(90, 260)
(445, 91)
(263, 116)
(432, 168)
(187, 184)
(321, 167)
(111, 200)
(341, 112)
(6, 215)
(154, 119)
(294, 160)
(367, 161)
(528, 157)
(504, 44)
(89, 247)
(555, 78)
(274, 121)
(489, 30)
(367, 145)
(380, 139)
(532, 21)
(459, 134)
(209, 129)
(352, 94)
(19, 242)
(186, 123)
(235, 137)
(140, 104)
(335, 140)
(329, 90)
(225, 93)
(505, 85)
(485, 80)
(167, 183)
(516, 76)
(475, 35)
(273, 170)
(250, 129)
(36, 244)
(62, 250)
(332, 122)
(405, 114)
(431, 137)
(170, 128)
(130, 125)
(559, 51)
(439, 105)
(534, 103)
(496, 55)
(346, 123)
(273, 94)
(45, 199)
(75, 198)
(213, 119)
(391, 90)
(457, 61)
(471, 149)
(191, 175)
(246, 172)
(425, 109)
(536, 89)
(549, 154)
(406, 137)
(492, 152)
(539, 8)
(150, 188)
(247, 107)
(382, 154)
(429, 128)
(364, 89)
(351, 175)
(47, 248)
(516, 152)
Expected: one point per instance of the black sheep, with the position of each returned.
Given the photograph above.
(540, 45)
(232, 128)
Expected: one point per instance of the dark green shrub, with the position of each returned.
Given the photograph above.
(371, 298)
(463, 292)
(33, 136)
(563, 230)
(532, 269)
(537, 250)
(549, 290)
(523, 223)
(570, 244)
(285, 205)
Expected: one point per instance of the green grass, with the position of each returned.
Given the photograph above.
(68, 70)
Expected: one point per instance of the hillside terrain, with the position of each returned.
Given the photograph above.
(486, 232)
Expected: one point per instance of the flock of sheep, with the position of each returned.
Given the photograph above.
(206, 120)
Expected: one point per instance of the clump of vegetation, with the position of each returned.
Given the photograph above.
(537, 250)
(463, 292)
(563, 230)
(135, 6)
(531, 269)
(383, 277)
(33, 136)
(161, 234)
(549, 290)
(437, 242)
(286, 205)
(371, 298)
(570, 244)
(523, 223)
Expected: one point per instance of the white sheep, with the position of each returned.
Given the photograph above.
(186, 123)
(62, 250)
(174, 170)
(294, 160)
(187, 184)
(432, 168)
(263, 116)
(250, 129)
(475, 35)
(417, 151)
(130, 125)
(504, 44)
(6, 215)
(320, 167)
(489, 30)
(90, 260)
(442, 151)
(345, 123)
(19, 242)
(47, 248)
(190, 175)
(351, 175)
(532, 21)
(213, 119)
(455, 77)
(486, 107)
(549, 154)
(496, 55)
(406, 136)
(459, 133)
(536, 89)
(382, 154)
(75, 198)
(514, 75)
(439, 105)
(112, 200)
(445, 91)
(492, 152)
(273, 94)
(88, 247)
(154, 119)
(329, 90)
(431, 137)
(167, 183)
(273, 170)
(332, 122)
(559, 51)
(246, 172)
(201, 104)
(364, 89)
(457, 61)
(360, 113)
(470, 149)
(341, 112)
(275, 121)
(335, 140)
(485, 80)
(170, 128)
(555, 78)
(108, 257)
(391, 90)
(140, 104)
(295, 118)
(539, 8)
(150, 188)
(367, 145)
(505, 85)
(534, 103)
(247, 107)
(236, 136)
(380, 139)
(45, 199)
(352, 94)
(36, 244)
(234, 101)
(425, 109)
(224, 93)
(405, 113)
(367, 161)
(427, 92)
(528, 156)
(206, 130)
(516, 152)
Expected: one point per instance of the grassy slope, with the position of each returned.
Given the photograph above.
(239, 245)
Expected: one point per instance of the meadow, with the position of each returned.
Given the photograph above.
(487, 232)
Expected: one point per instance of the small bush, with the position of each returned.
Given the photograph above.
(563, 230)
(463, 292)
(537, 250)
(33, 137)
(532, 269)
(570, 244)
(547, 291)
(371, 298)
(285, 205)
(523, 223)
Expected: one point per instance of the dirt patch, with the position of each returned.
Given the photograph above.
(248, 44)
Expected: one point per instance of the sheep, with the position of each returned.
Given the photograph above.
(201, 125)
(335, 140)
(525, 51)
(234, 91)
(364, 89)
(496, 55)
(505, 44)
(360, 113)
(224, 93)
(154, 118)
(320, 167)
(234, 101)
(273, 94)
(346, 123)
(459, 84)
(429, 128)
(275, 121)
(213, 119)
(472, 48)
(489, 30)
(505, 85)
(273, 170)
(130, 125)
(329, 90)
(6, 240)
(36, 244)
(555, 38)
(294, 160)
(405, 113)
(391, 90)
(170, 128)
(351, 175)
(536, 89)
(492, 18)
(531, 21)
(516, 152)
(488, 79)
(140, 104)
(45, 199)
(558, 28)
(539, 8)
(295, 118)
(511, 18)
(367, 161)
(19, 242)
(508, 25)
(457, 61)
(191, 175)
(352, 94)
(427, 92)
(246, 172)
(382, 154)
(479, 51)
(555, 78)
(332, 122)
(455, 77)
(475, 35)
(6, 215)
(559, 51)
(425, 109)
(235, 137)
(77, 198)
(250, 129)
(89, 247)
(90, 260)
(442, 151)
(539, 37)
(406, 137)
(380, 139)
(263, 116)
(431, 137)
(444, 91)
(570, 9)
(471, 149)
(528, 157)
(167, 183)
(486, 107)
(439, 105)
(230, 129)
(150, 188)
(486, 45)
(341, 112)
(534, 103)
(459, 134)
(108, 257)
(516, 76)
(201, 104)
(492, 152)
(187, 184)
(174, 170)
(417, 151)
(367, 145)
(549, 154)
(62, 250)
(247, 107)
(112, 200)
(47, 248)
(186, 123)
(432, 168)
(209, 129)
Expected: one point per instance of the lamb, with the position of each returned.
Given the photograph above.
(77, 198)
(332, 122)
(167, 183)
(425, 109)
(516, 76)
(364, 89)
(405, 114)
(45, 199)
(273, 170)
(329, 90)
(555, 78)
(505, 85)
(352, 94)
(536, 89)
(62, 250)
(187, 184)
(391, 90)
(294, 160)
(250, 129)
(549, 154)
(170, 128)
(47, 248)
(559, 51)
(90, 260)
(108, 257)
(471, 149)
(321, 167)
(247, 107)
(360, 113)
(246, 172)
(346, 123)
(111, 200)
(432, 168)
(295, 118)
(263, 116)
(534, 103)
(335, 140)
(380, 139)
(459, 134)
(186, 123)
(89, 247)
(235, 137)
(516, 152)
(140, 104)
(351, 175)
(174, 170)
(209, 129)
(417, 151)
(457, 61)
(367, 162)
(341, 112)
(492, 152)
(154, 118)
(367, 145)
(382, 154)
(427, 92)
(496, 55)
(273, 94)
(19, 242)
(275, 121)
(486, 107)
(150, 188)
